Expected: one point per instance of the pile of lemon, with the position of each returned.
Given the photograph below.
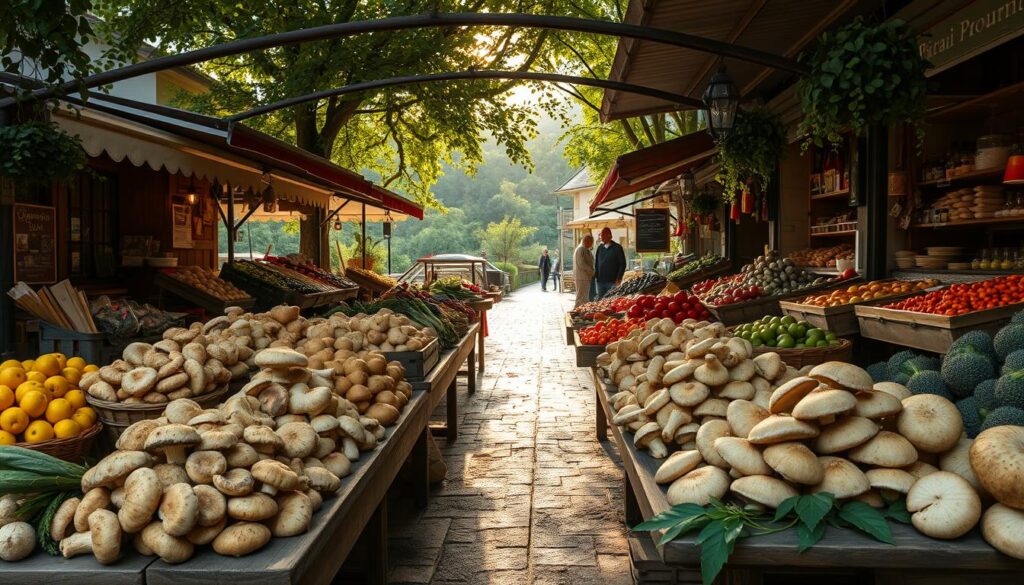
(40, 399)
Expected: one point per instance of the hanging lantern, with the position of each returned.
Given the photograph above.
(747, 202)
(721, 100)
(269, 200)
(386, 226)
(687, 184)
(191, 196)
(337, 225)
(734, 211)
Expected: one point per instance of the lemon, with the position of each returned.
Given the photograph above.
(26, 387)
(33, 403)
(90, 368)
(48, 364)
(72, 375)
(85, 417)
(35, 377)
(6, 398)
(75, 362)
(13, 420)
(7, 438)
(76, 398)
(10, 364)
(66, 428)
(57, 386)
(38, 431)
(12, 377)
(27, 365)
(61, 359)
(59, 409)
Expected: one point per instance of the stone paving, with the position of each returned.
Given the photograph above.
(531, 496)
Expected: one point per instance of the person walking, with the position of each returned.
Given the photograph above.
(545, 269)
(556, 272)
(609, 263)
(583, 269)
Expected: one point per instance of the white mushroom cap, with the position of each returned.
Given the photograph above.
(842, 375)
(294, 512)
(201, 466)
(943, 505)
(254, 507)
(877, 404)
(241, 539)
(103, 539)
(929, 421)
(744, 415)
(1003, 528)
(133, 438)
(707, 435)
(742, 456)
(95, 499)
(824, 402)
(897, 391)
(842, 478)
(142, 493)
(299, 439)
(737, 390)
(212, 506)
(172, 440)
(235, 482)
(699, 486)
(997, 458)
(794, 462)
(893, 480)
(885, 449)
(763, 489)
(779, 428)
(677, 465)
(63, 520)
(170, 548)
(716, 407)
(182, 410)
(17, 541)
(280, 357)
(846, 433)
(114, 468)
(919, 469)
(786, 396)
(958, 460)
(689, 394)
(179, 510)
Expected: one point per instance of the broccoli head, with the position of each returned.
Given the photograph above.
(930, 382)
(977, 340)
(968, 408)
(895, 362)
(878, 372)
(985, 395)
(919, 363)
(1018, 317)
(1008, 340)
(1004, 415)
(1014, 361)
(1010, 389)
(964, 370)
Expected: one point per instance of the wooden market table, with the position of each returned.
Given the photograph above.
(80, 570)
(441, 381)
(481, 307)
(914, 558)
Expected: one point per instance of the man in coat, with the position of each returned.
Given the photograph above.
(609, 262)
(583, 269)
(545, 269)
(556, 272)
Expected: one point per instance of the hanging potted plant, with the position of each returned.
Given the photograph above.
(750, 151)
(860, 76)
(704, 205)
(38, 151)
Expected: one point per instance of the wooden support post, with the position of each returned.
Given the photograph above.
(471, 371)
(480, 342)
(230, 221)
(377, 536)
(630, 506)
(600, 420)
(452, 408)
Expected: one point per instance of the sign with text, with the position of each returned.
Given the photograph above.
(975, 28)
(35, 244)
(652, 230)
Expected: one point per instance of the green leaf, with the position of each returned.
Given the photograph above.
(714, 549)
(867, 519)
(671, 517)
(897, 512)
(806, 538)
(785, 507)
(811, 508)
(684, 527)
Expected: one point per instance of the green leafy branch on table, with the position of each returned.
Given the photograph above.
(721, 524)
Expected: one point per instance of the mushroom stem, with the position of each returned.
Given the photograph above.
(350, 448)
(176, 455)
(78, 543)
(657, 448)
(268, 489)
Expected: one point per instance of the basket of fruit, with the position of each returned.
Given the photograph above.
(834, 310)
(73, 448)
(798, 343)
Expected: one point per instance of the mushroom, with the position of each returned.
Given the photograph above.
(699, 486)
(779, 428)
(17, 541)
(298, 438)
(919, 469)
(890, 483)
(958, 460)
(97, 498)
(305, 400)
(763, 489)
(179, 510)
(64, 519)
(1003, 528)
(714, 407)
(134, 437)
(842, 478)
(142, 492)
(877, 404)
(897, 391)
(254, 507)
(741, 456)
(235, 483)
(707, 435)
(688, 394)
(172, 439)
(744, 415)
(677, 465)
(885, 449)
(241, 455)
(842, 375)
(997, 458)
(263, 439)
(103, 539)
(241, 539)
(170, 548)
(846, 433)
(338, 464)
(943, 504)
(737, 390)
(201, 535)
(711, 372)
(114, 468)
(670, 418)
(201, 466)
(649, 437)
(930, 422)
(294, 512)
(322, 480)
(385, 413)
(216, 440)
(9, 505)
(274, 476)
(794, 462)
(280, 357)
(656, 402)
(770, 365)
(212, 507)
(139, 381)
(786, 396)
(687, 434)
(679, 372)
(824, 404)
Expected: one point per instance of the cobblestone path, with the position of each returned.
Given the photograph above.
(531, 497)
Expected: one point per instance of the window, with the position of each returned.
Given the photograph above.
(92, 218)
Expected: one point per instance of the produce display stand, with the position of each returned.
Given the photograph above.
(419, 363)
(739, 313)
(926, 331)
(722, 266)
(586, 355)
(914, 558)
(841, 320)
(197, 297)
(81, 570)
(481, 307)
(371, 286)
(494, 296)
(441, 382)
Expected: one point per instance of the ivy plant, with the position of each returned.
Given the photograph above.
(39, 152)
(705, 203)
(750, 151)
(719, 525)
(862, 75)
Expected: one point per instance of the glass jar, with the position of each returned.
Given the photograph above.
(1007, 262)
(986, 260)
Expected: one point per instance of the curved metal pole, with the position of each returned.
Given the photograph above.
(430, 20)
(482, 74)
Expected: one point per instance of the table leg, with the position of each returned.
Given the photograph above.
(376, 533)
(631, 508)
(480, 349)
(452, 407)
(471, 371)
(601, 420)
(419, 470)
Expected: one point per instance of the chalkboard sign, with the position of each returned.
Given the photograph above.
(35, 244)
(652, 233)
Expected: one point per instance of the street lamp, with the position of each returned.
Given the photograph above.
(191, 196)
(721, 99)
(269, 200)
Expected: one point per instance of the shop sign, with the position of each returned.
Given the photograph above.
(35, 244)
(652, 230)
(974, 29)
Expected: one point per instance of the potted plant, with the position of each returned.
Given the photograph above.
(704, 205)
(38, 151)
(369, 244)
(750, 151)
(862, 75)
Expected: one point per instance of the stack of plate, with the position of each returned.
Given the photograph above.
(931, 262)
(905, 258)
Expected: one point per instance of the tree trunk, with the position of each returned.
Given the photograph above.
(313, 241)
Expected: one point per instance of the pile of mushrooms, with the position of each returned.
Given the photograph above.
(339, 337)
(232, 477)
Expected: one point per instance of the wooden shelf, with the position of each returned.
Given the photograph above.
(963, 222)
(831, 194)
(965, 272)
(829, 234)
(972, 176)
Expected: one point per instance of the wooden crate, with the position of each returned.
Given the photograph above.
(739, 313)
(926, 331)
(586, 355)
(841, 320)
(720, 267)
(92, 347)
(417, 363)
(197, 297)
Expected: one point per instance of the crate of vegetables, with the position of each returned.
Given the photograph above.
(932, 321)
(699, 269)
(591, 341)
(202, 288)
(833, 310)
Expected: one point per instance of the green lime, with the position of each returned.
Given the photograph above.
(831, 336)
(788, 320)
(771, 342)
(786, 340)
(756, 341)
(800, 345)
(797, 331)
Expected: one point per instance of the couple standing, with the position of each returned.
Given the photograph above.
(596, 274)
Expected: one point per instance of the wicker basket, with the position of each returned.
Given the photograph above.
(811, 356)
(117, 416)
(73, 449)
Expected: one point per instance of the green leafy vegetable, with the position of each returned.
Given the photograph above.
(867, 520)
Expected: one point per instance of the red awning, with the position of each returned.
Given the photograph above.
(395, 202)
(653, 165)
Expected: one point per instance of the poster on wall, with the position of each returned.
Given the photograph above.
(35, 244)
(652, 230)
(182, 226)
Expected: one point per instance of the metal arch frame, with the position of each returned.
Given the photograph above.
(428, 20)
(470, 74)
